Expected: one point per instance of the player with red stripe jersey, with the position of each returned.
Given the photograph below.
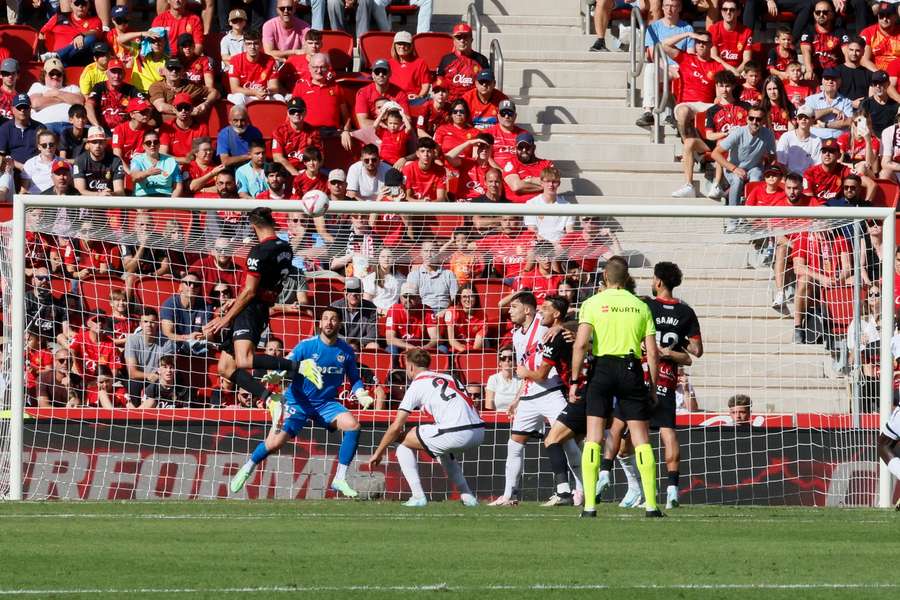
(460, 68)
(731, 39)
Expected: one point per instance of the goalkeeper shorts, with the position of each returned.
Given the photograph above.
(323, 415)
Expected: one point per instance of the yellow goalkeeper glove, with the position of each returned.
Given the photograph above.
(364, 399)
(310, 370)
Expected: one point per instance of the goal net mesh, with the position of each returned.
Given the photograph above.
(104, 419)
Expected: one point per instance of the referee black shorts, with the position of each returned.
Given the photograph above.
(249, 324)
(622, 379)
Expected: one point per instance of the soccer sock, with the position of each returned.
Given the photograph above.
(631, 471)
(606, 464)
(410, 468)
(244, 380)
(259, 454)
(272, 363)
(514, 451)
(455, 474)
(673, 478)
(557, 458)
(573, 455)
(646, 464)
(894, 467)
(590, 466)
(346, 452)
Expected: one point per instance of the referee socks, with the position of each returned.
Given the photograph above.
(646, 463)
(590, 467)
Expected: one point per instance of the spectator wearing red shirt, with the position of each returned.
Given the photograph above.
(393, 129)
(793, 196)
(106, 104)
(782, 53)
(296, 68)
(85, 256)
(542, 280)
(311, 178)
(464, 321)
(460, 68)
(590, 245)
(823, 181)
(251, 74)
(795, 87)
(409, 325)
(291, 137)
(459, 129)
(279, 181)
(72, 39)
(820, 259)
(435, 113)
(731, 40)
(38, 360)
(177, 137)
(882, 39)
(508, 248)
(218, 266)
(93, 347)
(198, 68)
(696, 72)
(425, 179)
(408, 71)
(771, 193)
(861, 152)
(522, 173)
(326, 108)
(104, 394)
(128, 137)
(200, 172)
(9, 79)
(821, 45)
(504, 132)
(381, 87)
(178, 20)
(750, 93)
(776, 104)
(484, 101)
(472, 160)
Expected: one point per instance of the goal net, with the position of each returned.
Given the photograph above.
(121, 399)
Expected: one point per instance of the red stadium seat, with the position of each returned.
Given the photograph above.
(491, 292)
(20, 40)
(212, 47)
(838, 303)
(476, 367)
(95, 292)
(380, 362)
(700, 124)
(154, 291)
(73, 74)
(336, 156)
(783, 16)
(432, 47)
(6, 211)
(338, 45)
(291, 327)
(218, 118)
(325, 291)
(374, 45)
(443, 225)
(29, 73)
(404, 10)
(266, 115)
(59, 286)
(886, 193)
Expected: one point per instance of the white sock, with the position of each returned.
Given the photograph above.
(894, 467)
(514, 451)
(629, 465)
(341, 472)
(410, 468)
(573, 457)
(563, 488)
(455, 475)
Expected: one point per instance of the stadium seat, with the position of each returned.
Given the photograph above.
(338, 45)
(73, 74)
(20, 40)
(325, 291)
(374, 45)
(154, 291)
(266, 115)
(403, 10)
(291, 327)
(32, 72)
(783, 16)
(59, 286)
(491, 292)
(700, 124)
(380, 362)
(886, 193)
(838, 303)
(432, 47)
(336, 156)
(218, 118)
(95, 292)
(6, 211)
(444, 225)
(476, 367)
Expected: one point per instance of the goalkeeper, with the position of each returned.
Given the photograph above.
(304, 400)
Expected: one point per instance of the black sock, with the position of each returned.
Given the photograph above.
(558, 463)
(673, 477)
(244, 380)
(606, 464)
(272, 363)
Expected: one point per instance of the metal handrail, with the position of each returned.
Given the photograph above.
(635, 49)
(474, 21)
(586, 15)
(496, 58)
(660, 66)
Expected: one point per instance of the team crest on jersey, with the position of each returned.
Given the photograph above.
(830, 44)
(188, 28)
(340, 358)
(740, 46)
(709, 74)
(316, 356)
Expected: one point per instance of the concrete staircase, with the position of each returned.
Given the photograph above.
(575, 103)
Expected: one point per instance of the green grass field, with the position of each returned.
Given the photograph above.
(343, 549)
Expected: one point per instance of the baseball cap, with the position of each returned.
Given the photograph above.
(830, 144)
(237, 14)
(831, 74)
(96, 133)
(403, 37)
(21, 100)
(462, 28)
(337, 175)
(485, 75)
(100, 48)
(525, 138)
(506, 105)
(173, 63)
(381, 64)
(60, 165)
(185, 39)
(393, 178)
(136, 104)
(297, 104)
(886, 8)
(409, 289)
(120, 12)
(806, 111)
(880, 77)
(182, 98)
(9, 65)
(352, 284)
(774, 168)
(115, 65)
(53, 63)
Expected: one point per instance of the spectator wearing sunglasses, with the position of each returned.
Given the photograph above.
(9, 78)
(59, 386)
(52, 99)
(282, 35)
(381, 87)
(18, 136)
(366, 176)
(128, 137)
(177, 137)
(460, 67)
(36, 172)
(154, 173)
(162, 93)
(503, 385)
(71, 38)
(293, 136)
(184, 314)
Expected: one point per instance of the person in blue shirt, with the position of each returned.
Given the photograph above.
(305, 401)
(251, 176)
(233, 142)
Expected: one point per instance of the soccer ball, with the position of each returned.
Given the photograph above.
(314, 203)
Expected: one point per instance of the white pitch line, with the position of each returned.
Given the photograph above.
(453, 588)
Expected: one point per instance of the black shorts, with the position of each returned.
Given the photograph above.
(249, 324)
(664, 412)
(622, 379)
(574, 416)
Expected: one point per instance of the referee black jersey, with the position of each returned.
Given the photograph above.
(676, 323)
(270, 261)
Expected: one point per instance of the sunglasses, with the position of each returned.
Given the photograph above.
(233, 21)
(821, 12)
(42, 277)
(408, 296)
(151, 142)
(506, 357)
(370, 161)
(55, 74)
(458, 111)
(754, 119)
(875, 295)
(285, 8)
(381, 72)
(851, 187)
(7, 73)
(507, 113)
(46, 145)
(63, 359)
(728, 10)
(183, 107)
(295, 111)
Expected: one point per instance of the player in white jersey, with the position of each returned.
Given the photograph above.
(887, 441)
(539, 399)
(456, 427)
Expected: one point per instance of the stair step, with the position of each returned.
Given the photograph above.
(518, 7)
(525, 42)
(539, 78)
(616, 154)
(614, 96)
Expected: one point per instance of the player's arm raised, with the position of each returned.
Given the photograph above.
(392, 434)
(247, 294)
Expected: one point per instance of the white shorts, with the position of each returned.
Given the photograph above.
(892, 427)
(531, 414)
(448, 442)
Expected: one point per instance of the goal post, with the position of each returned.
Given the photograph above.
(665, 220)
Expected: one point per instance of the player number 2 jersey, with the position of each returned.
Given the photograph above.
(439, 396)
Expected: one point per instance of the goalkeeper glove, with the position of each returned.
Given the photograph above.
(364, 399)
(310, 370)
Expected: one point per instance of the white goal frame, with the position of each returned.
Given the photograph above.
(23, 202)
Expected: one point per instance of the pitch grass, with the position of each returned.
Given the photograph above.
(345, 549)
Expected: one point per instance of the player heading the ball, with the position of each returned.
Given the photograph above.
(306, 401)
(456, 427)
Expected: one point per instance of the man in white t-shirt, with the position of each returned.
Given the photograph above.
(51, 100)
(799, 149)
(550, 228)
(456, 427)
(366, 176)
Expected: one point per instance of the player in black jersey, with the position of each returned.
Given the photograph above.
(679, 341)
(247, 316)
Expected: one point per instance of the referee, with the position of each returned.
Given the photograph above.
(617, 321)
